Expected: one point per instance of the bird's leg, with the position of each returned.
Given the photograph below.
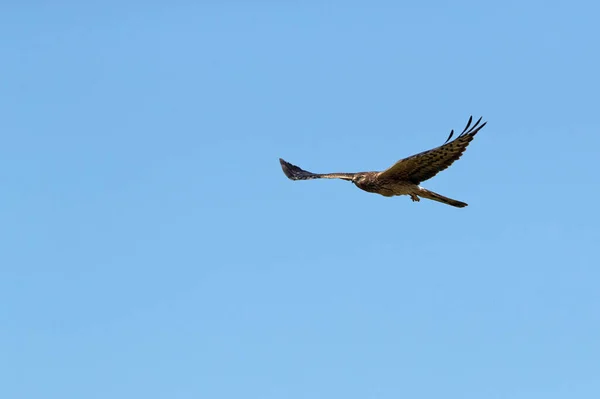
(414, 198)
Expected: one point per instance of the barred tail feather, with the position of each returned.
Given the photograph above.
(424, 193)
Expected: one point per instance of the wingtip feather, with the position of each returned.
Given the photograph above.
(450, 136)
(294, 172)
(468, 124)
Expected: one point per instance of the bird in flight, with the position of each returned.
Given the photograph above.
(404, 177)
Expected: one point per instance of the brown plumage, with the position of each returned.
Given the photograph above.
(404, 177)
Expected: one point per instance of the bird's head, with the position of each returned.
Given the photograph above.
(358, 179)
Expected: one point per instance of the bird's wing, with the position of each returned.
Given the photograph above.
(295, 173)
(423, 166)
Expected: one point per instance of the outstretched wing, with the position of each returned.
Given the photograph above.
(423, 166)
(295, 173)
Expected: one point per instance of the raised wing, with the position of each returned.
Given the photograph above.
(295, 173)
(425, 165)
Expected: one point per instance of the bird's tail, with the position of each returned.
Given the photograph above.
(423, 192)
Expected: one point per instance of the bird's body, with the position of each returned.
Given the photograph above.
(386, 187)
(404, 177)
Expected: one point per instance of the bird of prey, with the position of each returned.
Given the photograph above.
(404, 177)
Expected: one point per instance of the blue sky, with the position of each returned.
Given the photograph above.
(150, 245)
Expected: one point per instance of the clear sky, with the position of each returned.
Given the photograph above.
(151, 247)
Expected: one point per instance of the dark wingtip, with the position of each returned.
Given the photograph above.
(468, 130)
(475, 129)
(286, 167)
(468, 124)
(449, 137)
(294, 172)
(472, 130)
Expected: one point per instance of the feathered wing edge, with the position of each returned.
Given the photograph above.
(294, 172)
(466, 131)
(419, 167)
